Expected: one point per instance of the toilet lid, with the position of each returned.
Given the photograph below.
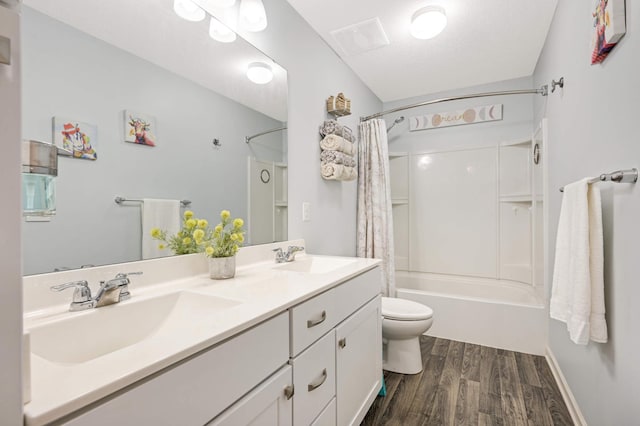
(403, 309)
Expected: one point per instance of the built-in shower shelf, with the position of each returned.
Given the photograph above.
(525, 198)
(399, 202)
(281, 204)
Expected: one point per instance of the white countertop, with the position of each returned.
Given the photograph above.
(263, 290)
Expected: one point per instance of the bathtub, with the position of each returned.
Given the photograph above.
(497, 313)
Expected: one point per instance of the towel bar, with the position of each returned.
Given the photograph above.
(619, 176)
(120, 200)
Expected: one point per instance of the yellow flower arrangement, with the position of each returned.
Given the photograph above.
(225, 242)
(195, 236)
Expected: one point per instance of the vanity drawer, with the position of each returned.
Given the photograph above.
(311, 320)
(356, 292)
(200, 388)
(314, 379)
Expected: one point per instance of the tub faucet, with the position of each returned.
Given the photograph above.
(115, 290)
(289, 255)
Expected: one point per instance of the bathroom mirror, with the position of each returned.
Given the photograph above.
(100, 65)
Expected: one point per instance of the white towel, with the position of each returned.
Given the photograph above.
(163, 214)
(332, 171)
(577, 296)
(337, 143)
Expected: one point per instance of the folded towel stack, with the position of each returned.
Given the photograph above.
(332, 127)
(337, 160)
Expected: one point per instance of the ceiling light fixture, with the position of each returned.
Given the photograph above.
(252, 15)
(186, 9)
(259, 73)
(428, 22)
(220, 32)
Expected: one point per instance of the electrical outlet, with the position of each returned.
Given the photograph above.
(306, 211)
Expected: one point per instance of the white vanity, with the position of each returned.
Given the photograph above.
(280, 344)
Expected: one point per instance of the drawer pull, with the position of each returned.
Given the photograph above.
(288, 392)
(313, 386)
(313, 323)
(342, 342)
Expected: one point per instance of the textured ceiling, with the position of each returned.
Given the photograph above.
(484, 41)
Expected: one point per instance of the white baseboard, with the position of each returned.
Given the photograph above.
(567, 395)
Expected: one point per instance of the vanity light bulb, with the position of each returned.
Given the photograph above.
(252, 15)
(259, 73)
(220, 32)
(186, 9)
(428, 22)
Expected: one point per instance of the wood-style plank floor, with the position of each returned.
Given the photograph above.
(467, 384)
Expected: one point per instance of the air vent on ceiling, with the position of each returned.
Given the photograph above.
(361, 37)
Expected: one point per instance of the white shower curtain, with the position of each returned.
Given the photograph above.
(375, 223)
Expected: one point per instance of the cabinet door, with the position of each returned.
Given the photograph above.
(358, 363)
(269, 404)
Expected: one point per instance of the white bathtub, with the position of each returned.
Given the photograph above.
(500, 314)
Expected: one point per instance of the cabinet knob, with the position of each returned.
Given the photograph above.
(288, 392)
(313, 323)
(342, 342)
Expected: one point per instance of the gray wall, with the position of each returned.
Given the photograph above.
(70, 74)
(315, 72)
(593, 128)
(515, 125)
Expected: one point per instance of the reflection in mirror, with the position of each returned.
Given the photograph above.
(104, 64)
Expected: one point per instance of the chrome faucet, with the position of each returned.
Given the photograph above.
(289, 255)
(113, 291)
(81, 295)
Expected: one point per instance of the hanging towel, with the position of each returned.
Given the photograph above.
(332, 171)
(577, 296)
(163, 214)
(337, 143)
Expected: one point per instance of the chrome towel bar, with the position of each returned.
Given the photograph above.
(120, 200)
(619, 176)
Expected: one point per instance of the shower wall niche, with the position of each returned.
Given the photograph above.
(468, 212)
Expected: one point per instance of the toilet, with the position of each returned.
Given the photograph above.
(403, 321)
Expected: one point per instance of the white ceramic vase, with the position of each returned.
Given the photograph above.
(221, 268)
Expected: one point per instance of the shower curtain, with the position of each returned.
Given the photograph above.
(375, 223)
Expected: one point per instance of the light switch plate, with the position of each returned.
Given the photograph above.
(5, 50)
(306, 211)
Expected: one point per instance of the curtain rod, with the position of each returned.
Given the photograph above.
(542, 91)
(247, 139)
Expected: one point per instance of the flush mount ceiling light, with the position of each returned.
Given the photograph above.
(259, 73)
(428, 22)
(186, 9)
(220, 32)
(252, 15)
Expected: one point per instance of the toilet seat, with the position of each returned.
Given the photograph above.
(404, 310)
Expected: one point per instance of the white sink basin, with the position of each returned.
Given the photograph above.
(315, 265)
(88, 335)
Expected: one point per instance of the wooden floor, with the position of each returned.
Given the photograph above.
(466, 384)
